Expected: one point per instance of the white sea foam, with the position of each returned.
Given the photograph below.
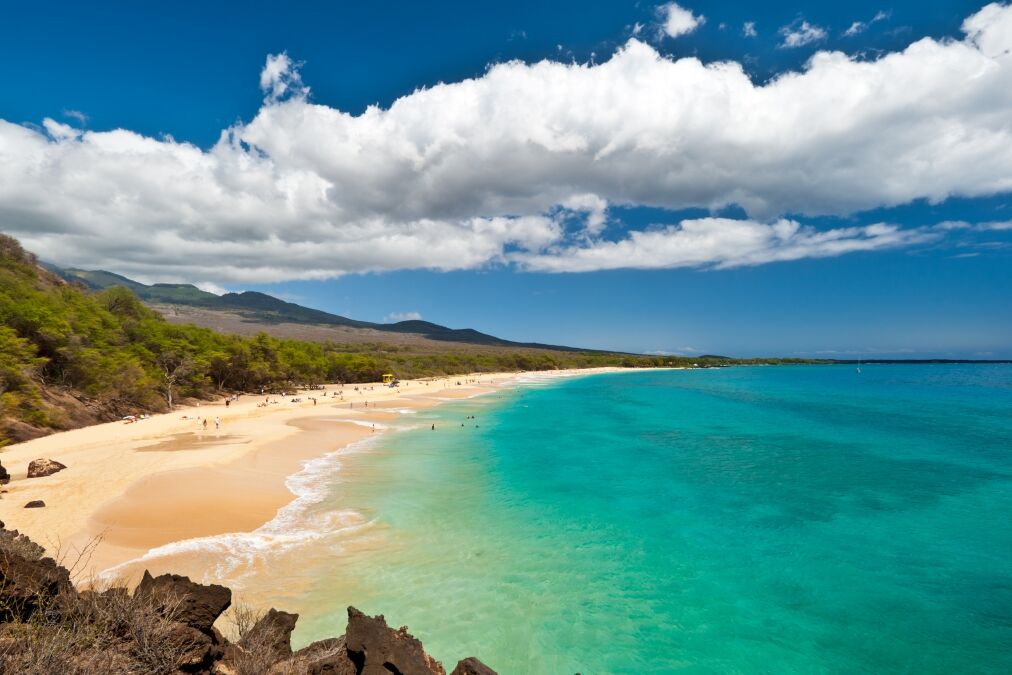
(295, 524)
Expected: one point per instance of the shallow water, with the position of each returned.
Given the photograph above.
(788, 520)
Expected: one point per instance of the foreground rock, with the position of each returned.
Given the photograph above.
(373, 647)
(38, 468)
(167, 626)
(196, 605)
(35, 504)
(4, 476)
(29, 582)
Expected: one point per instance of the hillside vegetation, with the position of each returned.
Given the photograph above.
(70, 356)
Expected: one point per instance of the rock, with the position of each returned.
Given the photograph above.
(192, 650)
(377, 649)
(271, 636)
(182, 600)
(325, 657)
(472, 666)
(38, 468)
(29, 585)
(4, 476)
(35, 504)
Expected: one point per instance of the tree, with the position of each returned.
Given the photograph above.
(175, 366)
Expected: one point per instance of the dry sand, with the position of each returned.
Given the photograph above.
(131, 487)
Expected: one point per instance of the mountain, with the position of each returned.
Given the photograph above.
(265, 309)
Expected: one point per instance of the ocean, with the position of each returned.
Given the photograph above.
(792, 519)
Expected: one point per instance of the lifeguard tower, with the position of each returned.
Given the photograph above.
(388, 378)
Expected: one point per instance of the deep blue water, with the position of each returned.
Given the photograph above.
(745, 520)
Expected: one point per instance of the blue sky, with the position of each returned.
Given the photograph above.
(879, 258)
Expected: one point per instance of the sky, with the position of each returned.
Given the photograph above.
(790, 180)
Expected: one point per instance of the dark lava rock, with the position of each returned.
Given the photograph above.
(272, 635)
(4, 477)
(472, 666)
(28, 585)
(377, 649)
(192, 650)
(35, 504)
(38, 468)
(325, 657)
(182, 600)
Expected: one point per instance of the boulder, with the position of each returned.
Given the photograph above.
(325, 657)
(4, 476)
(38, 468)
(35, 504)
(377, 649)
(192, 650)
(271, 636)
(472, 666)
(182, 600)
(29, 585)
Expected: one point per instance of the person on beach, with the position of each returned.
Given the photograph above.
(205, 423)
(433, 427)
(217, 422)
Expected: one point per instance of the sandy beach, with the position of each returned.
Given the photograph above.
(132, 487)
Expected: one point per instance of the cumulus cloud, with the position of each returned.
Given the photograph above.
(800, 33)
(676, 20)
(395, 317)
(497, 169)
(748, 29)
(280, 78)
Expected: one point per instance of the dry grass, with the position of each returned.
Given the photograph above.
(100, 631)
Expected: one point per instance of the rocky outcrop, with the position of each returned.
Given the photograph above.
(35, 504)
(472, 666)
(376, 649)
(4, 476)
(29, 583)
(167, 625)
(184, 601)
(271, 636)
(38, 468)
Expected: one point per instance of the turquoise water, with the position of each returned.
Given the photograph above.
(747, 520)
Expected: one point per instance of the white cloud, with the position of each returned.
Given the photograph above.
(676, 20)
(998, 226)
(801, 33)
(211, 287)
(748, 29)
(395, 317)
(280, 78)
(595, 208)
(859, 27)
(990, 30)
(478, 172)
(76, 115)
(721, 243)
(855, 28)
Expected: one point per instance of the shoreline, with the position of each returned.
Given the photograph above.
(132, 488)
